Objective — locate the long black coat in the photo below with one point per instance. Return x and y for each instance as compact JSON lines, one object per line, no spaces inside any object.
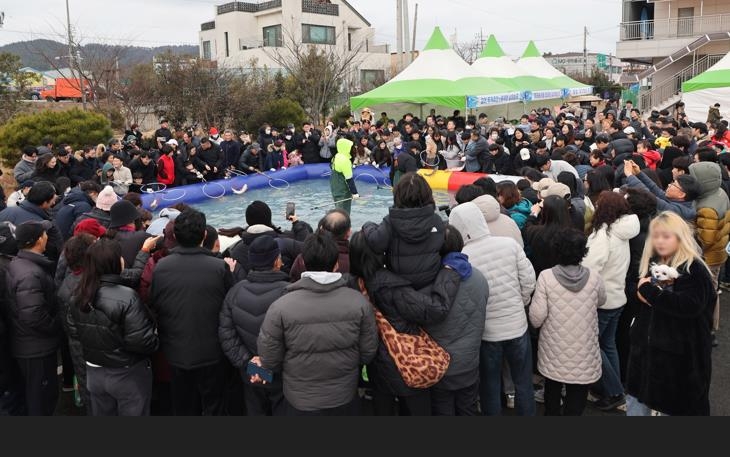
{"x":670,"y":365}
{"x":35,"y":328}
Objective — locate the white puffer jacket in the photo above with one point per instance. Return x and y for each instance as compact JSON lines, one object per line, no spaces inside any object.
{"x":503,"y":262}
{"x":498,"y":223}
{"x":568,"y":350}
{"x":609,"y":254}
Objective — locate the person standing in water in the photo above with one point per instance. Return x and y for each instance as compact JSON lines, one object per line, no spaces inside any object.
{"x":342,"y":181}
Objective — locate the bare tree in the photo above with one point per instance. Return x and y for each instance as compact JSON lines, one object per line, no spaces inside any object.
{"x":136,"y":93}
{"x":469,"y":51}
{"x":320,"y":71}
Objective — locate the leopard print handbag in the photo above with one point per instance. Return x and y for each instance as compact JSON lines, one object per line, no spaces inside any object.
{"x":419,"y":359}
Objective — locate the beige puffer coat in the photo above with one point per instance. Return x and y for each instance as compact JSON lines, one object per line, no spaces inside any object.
{"x":568,"y":350}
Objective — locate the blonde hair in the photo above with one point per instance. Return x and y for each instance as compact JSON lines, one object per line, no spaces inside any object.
{"x":688,"y":252}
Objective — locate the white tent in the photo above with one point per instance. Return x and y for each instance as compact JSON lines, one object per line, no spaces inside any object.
{"x":706,"y":89}
{"x":535,"y":65}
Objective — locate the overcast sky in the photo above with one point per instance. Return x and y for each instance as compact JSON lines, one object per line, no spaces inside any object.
{"x":556,"y":26}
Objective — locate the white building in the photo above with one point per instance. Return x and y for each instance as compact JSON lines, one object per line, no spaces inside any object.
{"x":575,"y":63}
{"x":678,"y":38}
{"x":242,"y":31}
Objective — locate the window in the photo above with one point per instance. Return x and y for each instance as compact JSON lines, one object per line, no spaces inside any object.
{"x":318,"y":34}
{"x":371,"y":78}
{"x":272,"y":36}
{"x":228,"y":50}
{"x":206,"y":50}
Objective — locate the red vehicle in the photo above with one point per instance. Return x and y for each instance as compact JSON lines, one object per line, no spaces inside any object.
{"x":65,"y":89}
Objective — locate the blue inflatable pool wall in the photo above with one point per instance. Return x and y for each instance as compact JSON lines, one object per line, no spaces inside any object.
{"x":197,"y":193}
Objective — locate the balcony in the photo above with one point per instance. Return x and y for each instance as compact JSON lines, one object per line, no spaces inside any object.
{"x":207,"y":26}
{"x":320,"y":7}
{"x":678,"y":27}
{"x":248,"y":7}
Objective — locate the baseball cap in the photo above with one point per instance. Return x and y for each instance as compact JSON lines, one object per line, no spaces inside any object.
{"x":556,"y":189}
{"x":28,"y":233}
{"x":542,"y":185}
{"x":213,"y":131}
{"x":629,"y":130}
{"x":525,"y":154}
{"x":172,"y":142}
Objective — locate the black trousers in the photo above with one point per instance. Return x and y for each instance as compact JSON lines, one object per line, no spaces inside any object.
{"x":40,"y":381}
{"x":574,"y":402}
{"x":120,"y":391}
{"x":264,"y":401}
{"x":623,"y":332}
{"x":385,"y":404}
{"x":349,"y":409}
{"x":462,"y":402}
{"x":200,"y":391}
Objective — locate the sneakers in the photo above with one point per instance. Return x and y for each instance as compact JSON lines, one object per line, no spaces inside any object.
{"x":540,"y":395}
{"x":67,"y":388}
{"x":610,"y":403}
{"x":510,"y":401}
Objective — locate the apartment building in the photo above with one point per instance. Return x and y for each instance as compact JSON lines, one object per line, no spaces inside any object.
{"x":679,"y":39}
{"x":247,"y":32}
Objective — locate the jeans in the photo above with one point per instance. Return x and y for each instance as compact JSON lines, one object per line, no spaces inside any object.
{"x":576,"y":397}
{"x":610,"y":383}
{"x":634,"y":408}
{"x":199,"y":391}
{"x":715,"y":273}
{"x":120,"y":391}
{"x":462,"y":402}
{"x":518,"y":354}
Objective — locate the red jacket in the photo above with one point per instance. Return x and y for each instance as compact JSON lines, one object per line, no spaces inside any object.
{"x":651,"y":159}
{"x":166,"y":170}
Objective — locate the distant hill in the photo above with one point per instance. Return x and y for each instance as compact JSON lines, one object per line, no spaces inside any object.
{"x":35,"y":53}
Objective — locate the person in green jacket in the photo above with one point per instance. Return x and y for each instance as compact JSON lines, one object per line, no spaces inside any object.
{"x":342,"y":182}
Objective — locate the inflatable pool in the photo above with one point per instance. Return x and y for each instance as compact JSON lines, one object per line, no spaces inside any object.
{"x":196,"y":193}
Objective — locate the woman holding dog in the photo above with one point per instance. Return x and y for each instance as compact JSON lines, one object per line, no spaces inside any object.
{"x":670,"y":364}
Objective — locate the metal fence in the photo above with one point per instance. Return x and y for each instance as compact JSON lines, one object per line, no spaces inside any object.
{"x":677,"y":27}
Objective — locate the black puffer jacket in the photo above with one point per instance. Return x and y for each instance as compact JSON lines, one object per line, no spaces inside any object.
{"x":73,"y":205}
{"x":244,"y":311}
{"x":6,"y":360}
{"x":102,"y":217}
{"x":411,"y":239}
{"x":118,"y":331}
{"x":407,"y":310}
{"x":187,"y":291}
{"x":35,"y":328}
{"x":27,"y":211}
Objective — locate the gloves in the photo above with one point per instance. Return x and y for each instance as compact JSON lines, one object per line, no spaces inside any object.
{"x":355,"y":197}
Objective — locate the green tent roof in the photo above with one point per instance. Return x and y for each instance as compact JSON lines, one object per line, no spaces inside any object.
{"x":437,"y":41}
{"x":492,"y":48}
{"x":717,"y":76}
{"x":531,"y":51}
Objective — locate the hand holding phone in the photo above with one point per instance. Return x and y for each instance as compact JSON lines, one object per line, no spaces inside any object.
{"x":258,"y":374}
{"x":291,"y":209}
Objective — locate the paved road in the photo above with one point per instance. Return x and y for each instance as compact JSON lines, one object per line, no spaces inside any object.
{"x":720,"y":395}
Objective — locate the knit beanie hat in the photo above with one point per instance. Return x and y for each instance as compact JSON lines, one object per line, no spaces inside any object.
{"x":123,"y":213}
{"x":106,"y":199}
{"x":263,"y":252}
{"x":258,"y":213}
{"x":90,"y":226}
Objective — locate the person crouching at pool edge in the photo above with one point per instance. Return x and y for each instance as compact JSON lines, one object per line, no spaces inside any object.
{"x":342,"y":182}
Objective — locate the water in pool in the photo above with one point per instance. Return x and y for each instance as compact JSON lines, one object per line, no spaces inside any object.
{"x":230,"y":211}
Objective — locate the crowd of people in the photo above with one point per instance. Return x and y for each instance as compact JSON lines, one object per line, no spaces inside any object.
{"x":592,"y":277}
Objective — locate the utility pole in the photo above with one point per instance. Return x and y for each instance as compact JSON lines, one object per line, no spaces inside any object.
{"x":72,"y":58}
{"x":407,"y":32}
{"x":399,"y":32}
{"x":585,"y":52}
{"x":415,"y":29}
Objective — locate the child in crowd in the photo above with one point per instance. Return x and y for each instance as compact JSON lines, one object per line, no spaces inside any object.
{"x":565,"y":308}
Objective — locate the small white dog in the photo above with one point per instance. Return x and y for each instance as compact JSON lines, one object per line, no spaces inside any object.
{"x":663,"y":275}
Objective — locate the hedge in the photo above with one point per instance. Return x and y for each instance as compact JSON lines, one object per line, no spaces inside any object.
{"x":74,"y":127}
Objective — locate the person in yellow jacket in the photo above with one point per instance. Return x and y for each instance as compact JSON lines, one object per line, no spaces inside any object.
{"x":342,"y":181}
